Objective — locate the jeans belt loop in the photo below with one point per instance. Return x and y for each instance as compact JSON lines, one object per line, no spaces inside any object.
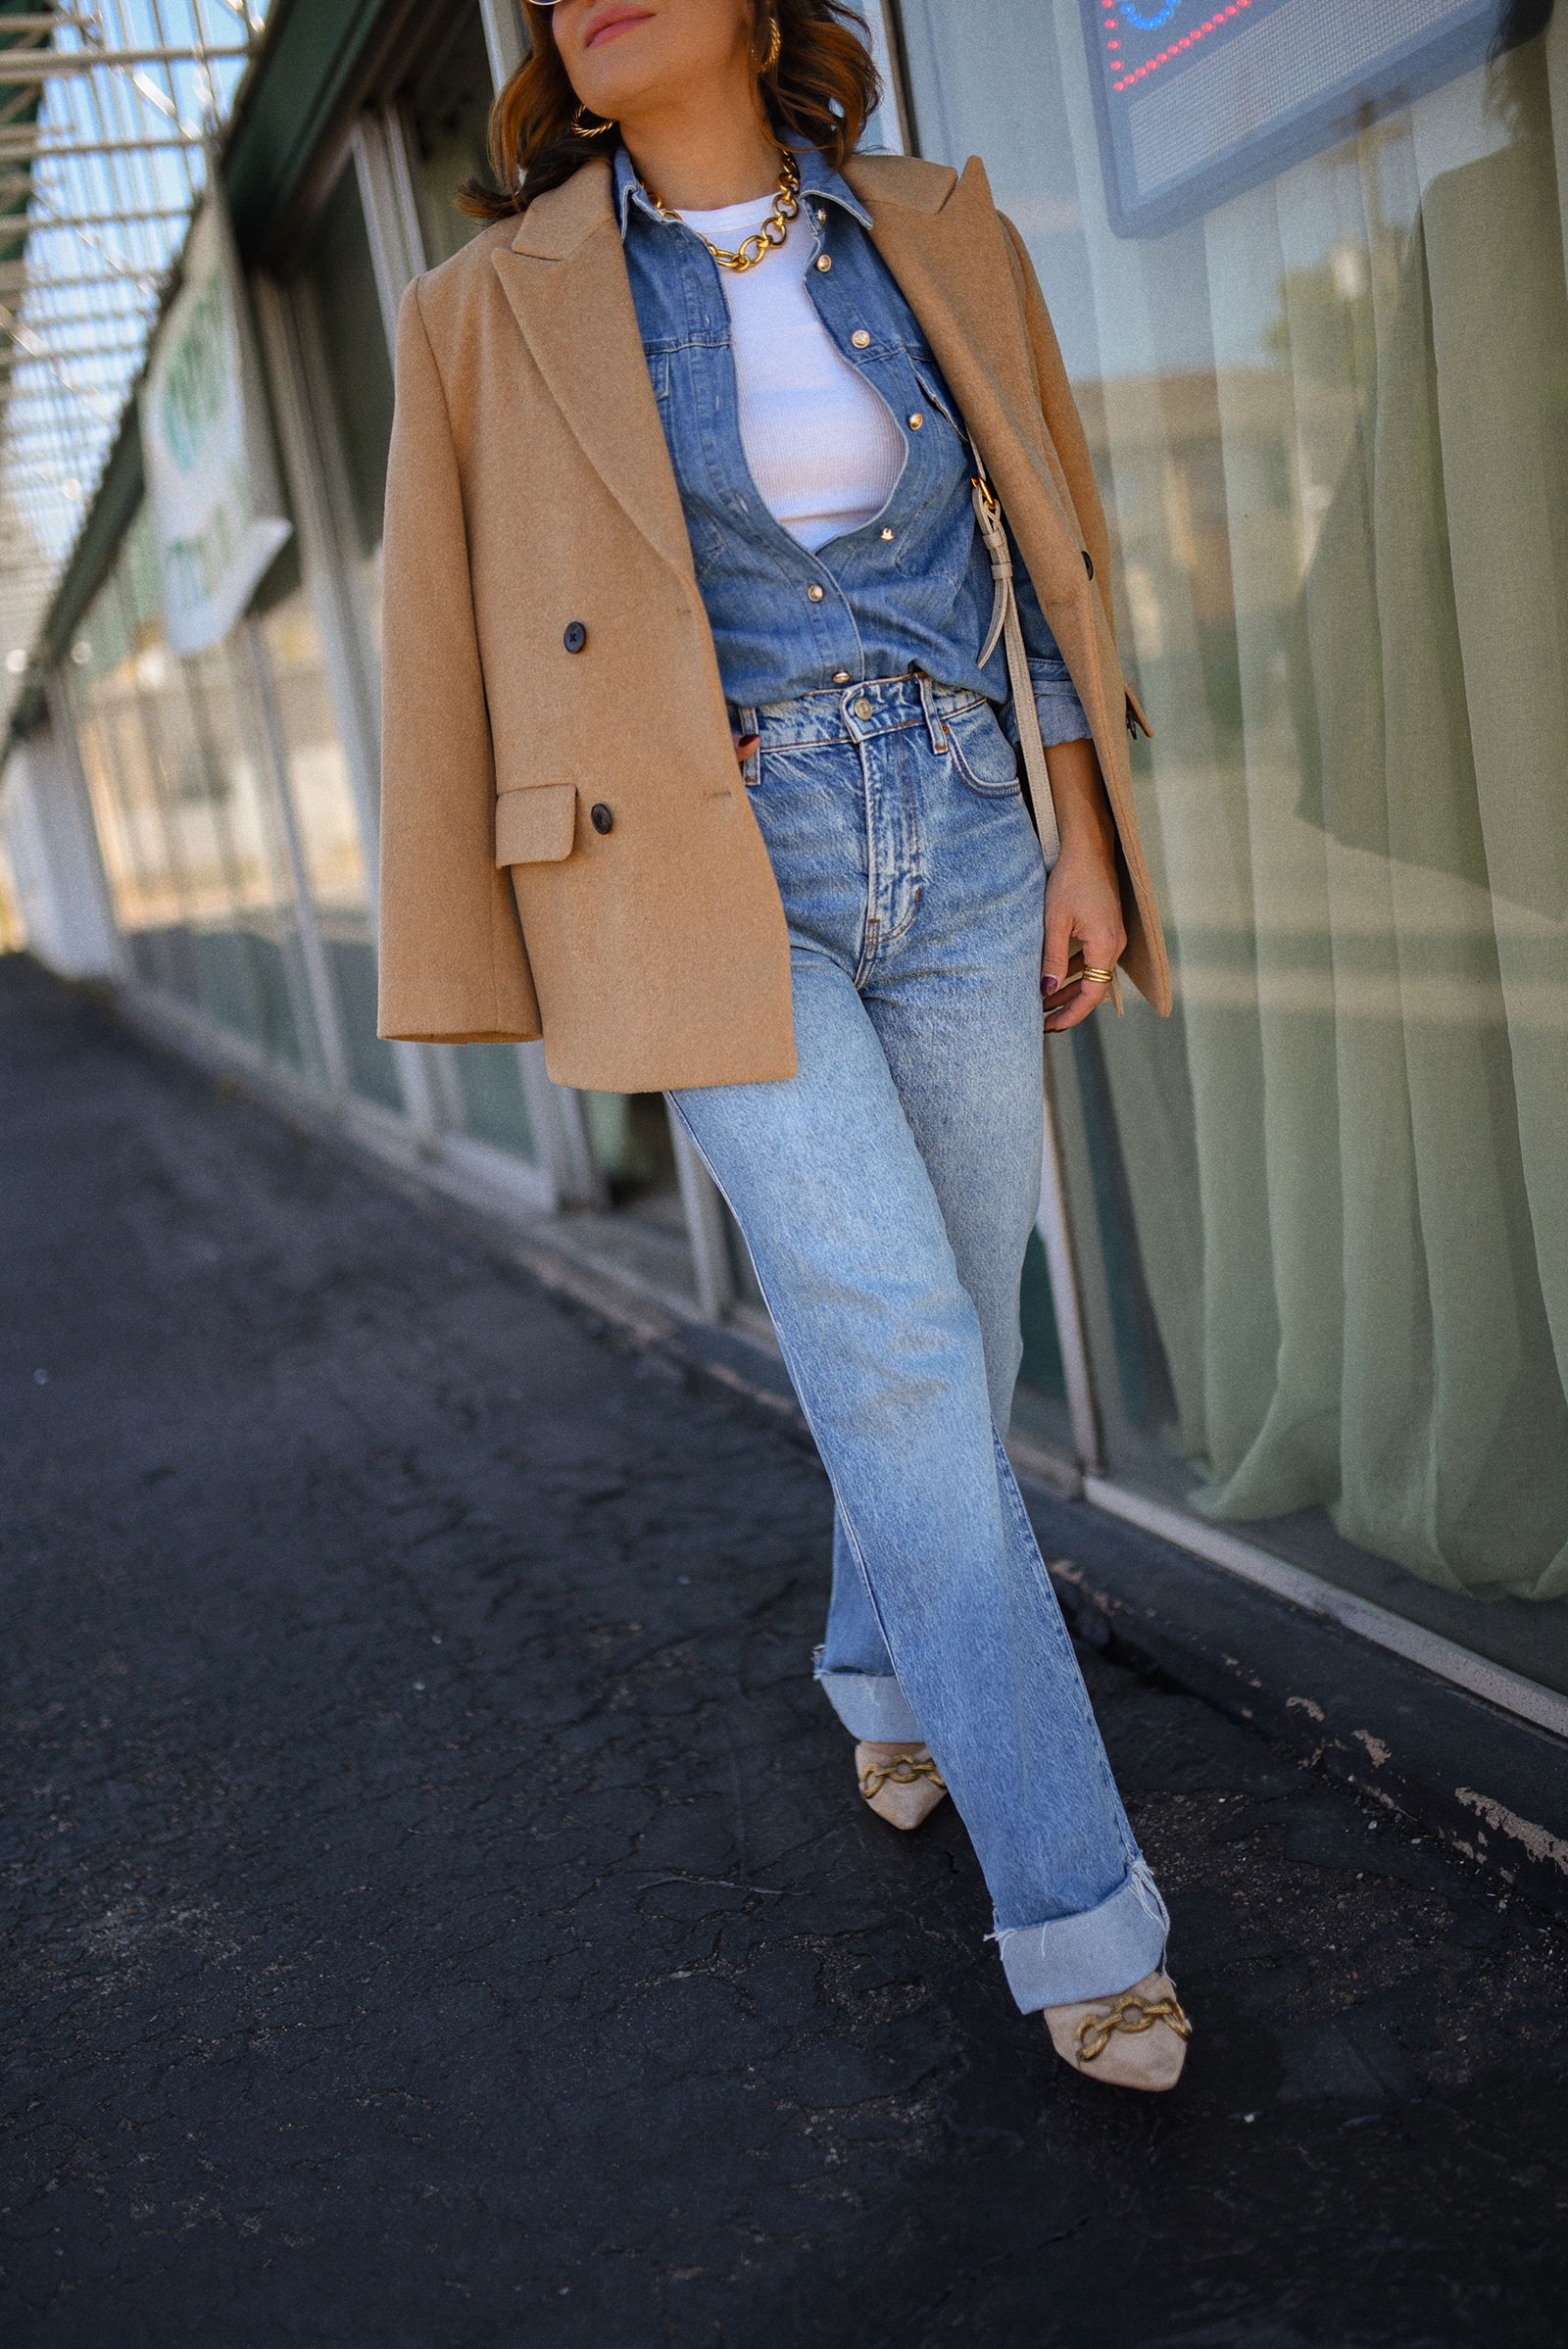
{"x":751,"y":765}
{"x":932,"y":723}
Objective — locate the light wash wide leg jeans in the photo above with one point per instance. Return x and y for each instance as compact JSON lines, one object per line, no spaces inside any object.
{"x":886,"y":1192}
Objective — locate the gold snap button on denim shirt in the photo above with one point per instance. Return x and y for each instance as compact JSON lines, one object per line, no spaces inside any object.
{"x":912,"y":588}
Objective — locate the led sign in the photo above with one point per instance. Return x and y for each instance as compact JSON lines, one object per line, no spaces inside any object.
{"x":1197,"y":101}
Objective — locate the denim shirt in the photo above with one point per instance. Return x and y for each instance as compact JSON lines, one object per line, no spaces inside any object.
{"x":864,"y":604}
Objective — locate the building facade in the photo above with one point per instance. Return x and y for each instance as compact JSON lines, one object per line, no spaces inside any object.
{"x":1300,"y":1295}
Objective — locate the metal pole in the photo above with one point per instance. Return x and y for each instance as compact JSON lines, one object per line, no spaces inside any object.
{"x":395,"y":265}
{"x":504,"y":38}
{"x":704,"y":1222}
{"x":63,"y":726}
{"x":1056,"y":1238}
{"x":560,"y":1131}
{"x":319,"y":979}
{"x":894,"y":113}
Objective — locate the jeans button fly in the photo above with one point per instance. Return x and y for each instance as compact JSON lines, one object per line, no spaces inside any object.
{"x":865,"y":708}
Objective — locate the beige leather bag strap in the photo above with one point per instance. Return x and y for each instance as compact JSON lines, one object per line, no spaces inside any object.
{"x":1005,"y":623}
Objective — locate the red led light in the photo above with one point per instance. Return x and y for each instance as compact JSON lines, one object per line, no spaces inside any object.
{"x":1187,"y":40}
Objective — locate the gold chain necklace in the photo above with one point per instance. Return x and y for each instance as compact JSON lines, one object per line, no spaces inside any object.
{"x":774,"y":230}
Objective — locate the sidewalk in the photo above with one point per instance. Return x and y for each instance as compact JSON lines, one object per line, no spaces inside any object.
{"x":437,"y":1911}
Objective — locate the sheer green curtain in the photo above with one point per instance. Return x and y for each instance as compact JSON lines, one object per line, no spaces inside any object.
{"x":1331,"y":420}
{"x":1367,"y":895}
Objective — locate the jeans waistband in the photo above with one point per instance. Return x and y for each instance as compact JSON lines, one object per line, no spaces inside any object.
{"x":853,"y":712}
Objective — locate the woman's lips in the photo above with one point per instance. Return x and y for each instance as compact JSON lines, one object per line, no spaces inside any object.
{"x":620,"y":21}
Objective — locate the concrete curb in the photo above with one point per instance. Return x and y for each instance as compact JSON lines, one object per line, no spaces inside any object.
{"x":1493,"y":1788}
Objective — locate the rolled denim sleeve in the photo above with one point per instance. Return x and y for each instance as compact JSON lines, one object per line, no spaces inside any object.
{"x":1061,"y":713}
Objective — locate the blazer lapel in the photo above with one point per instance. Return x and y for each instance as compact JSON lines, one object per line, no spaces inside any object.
{"x":565,"y":279}
{"x":948,"y":255}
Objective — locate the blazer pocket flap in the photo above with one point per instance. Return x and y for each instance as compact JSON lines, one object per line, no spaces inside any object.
{"x":536,"y":825}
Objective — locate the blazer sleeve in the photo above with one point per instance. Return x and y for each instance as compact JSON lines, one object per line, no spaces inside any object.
{"x":453,"y":965}
{"x":1062,"y":420}
{"x":1146,"y":960}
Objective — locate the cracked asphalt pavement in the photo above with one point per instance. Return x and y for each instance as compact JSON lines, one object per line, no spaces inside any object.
{"x":437,"y":1911}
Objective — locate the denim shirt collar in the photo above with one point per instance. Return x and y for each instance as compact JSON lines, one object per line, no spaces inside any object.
{"x":818,"y":180}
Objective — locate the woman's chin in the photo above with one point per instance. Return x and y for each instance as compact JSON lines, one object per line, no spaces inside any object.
{"x":617,"y":78}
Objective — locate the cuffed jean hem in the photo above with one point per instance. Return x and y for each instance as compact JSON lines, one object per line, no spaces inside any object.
{"x":871,"y":1704}
{"x":1094,"y":1955}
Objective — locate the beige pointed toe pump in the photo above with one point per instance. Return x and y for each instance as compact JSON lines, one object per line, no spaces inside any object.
{"x":901,"y":1782}
{"x":1136,"y":2038}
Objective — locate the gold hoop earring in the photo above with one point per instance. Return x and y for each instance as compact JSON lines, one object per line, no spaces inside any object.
{"x":583,"y":129}
{"x":774,"y":45}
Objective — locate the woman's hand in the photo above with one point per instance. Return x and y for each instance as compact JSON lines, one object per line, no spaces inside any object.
{"x":1083,"y":900}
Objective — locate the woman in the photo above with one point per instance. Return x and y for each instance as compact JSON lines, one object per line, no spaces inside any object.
{"x":691,"y":664}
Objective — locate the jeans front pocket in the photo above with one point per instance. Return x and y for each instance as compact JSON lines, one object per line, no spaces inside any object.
{"x":982,"y":753}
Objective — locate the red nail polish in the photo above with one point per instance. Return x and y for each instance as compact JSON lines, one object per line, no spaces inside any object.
{"x":1049,"y":983}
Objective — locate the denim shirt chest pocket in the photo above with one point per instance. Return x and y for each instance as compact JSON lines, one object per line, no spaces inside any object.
{"x":685,"y":376}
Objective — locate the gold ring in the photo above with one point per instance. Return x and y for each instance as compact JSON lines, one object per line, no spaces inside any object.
{"x":1100,"y":978}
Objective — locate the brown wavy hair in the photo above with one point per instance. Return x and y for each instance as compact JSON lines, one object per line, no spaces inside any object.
{"x":818,"y":94}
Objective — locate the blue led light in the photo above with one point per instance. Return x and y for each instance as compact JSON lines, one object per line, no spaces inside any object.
{"x":1153,"y":22}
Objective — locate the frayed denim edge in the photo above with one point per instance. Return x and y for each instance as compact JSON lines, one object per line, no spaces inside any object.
{"x":1094,"y":1954}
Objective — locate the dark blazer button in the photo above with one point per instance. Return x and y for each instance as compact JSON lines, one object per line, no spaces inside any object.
{"x":1089,"y":567}
{"x":576,"y":637}
{"x":600,"y":817}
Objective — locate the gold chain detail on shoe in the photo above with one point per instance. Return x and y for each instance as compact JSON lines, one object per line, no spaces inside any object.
{"x":774,"y":230}
{"x":903,"y":1771}
{"x":1148,"y":2012}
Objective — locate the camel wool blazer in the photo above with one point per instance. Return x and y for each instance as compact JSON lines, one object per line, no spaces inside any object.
{"x":567,"y":848}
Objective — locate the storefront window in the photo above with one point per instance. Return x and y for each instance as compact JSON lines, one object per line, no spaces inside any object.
{"x":628,"y":1134}
{"x":326,"y":820}
{"x":486,"y":1097}
{"x":351,"y":371}
{"x":448,"y":121}
{"x":144,"y":886}
{"x":1320,"y":1212}
{"x":196,"y":865}
{"x":1040,"y":1407}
